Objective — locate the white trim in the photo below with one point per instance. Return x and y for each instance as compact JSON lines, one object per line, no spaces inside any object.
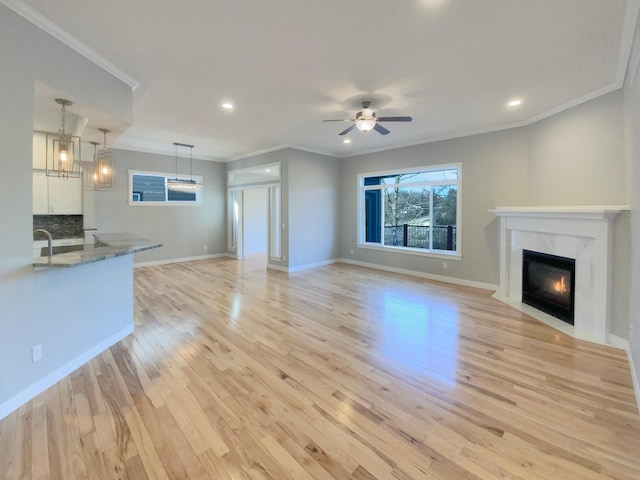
{"x":307,"y":266}
{"x":41,"y":385}
{"x":634,"y":376}
{"x":411,"y":251}
{"x":415,"y":273}
{"x":618,"y":342}
{"x":118,"y":144}
{"x":627,"y":40}
{"x":283,"y":146}
{"x":361,"y":214}
{"x":634,"y":61}
{"x":254,"y":186}
{"x":278,"y":268}
{"x":569,"y":211}
{"x":167,"y":177}
{"x":262,"y":165}
{"x":44,"y":23}
{"x":624,"y":345}
{"x":180,"y":260}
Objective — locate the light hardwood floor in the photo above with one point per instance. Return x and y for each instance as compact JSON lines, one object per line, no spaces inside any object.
{"x":235,"y":372}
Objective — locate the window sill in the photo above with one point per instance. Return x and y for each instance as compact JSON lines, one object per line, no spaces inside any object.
{"x":412,"y":251}
{"x":165,"y":204}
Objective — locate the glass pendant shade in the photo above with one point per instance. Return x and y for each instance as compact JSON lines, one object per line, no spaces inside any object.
{"x":90,"y":177}
{"x":103,"y":170}
{"x":62,"y":150}
{"x":365,"y":120}
{"x":365,"y":125}
{"x":99,"y":174}
{"x":181,"y":184}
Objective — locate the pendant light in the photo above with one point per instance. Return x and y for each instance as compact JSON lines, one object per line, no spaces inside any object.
{"x":180,"y":184}
{"x":62,"y":149}
{"x":90,"y":176}
{"x":104,"y":164}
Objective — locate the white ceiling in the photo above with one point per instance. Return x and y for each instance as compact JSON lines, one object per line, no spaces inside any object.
{"x":288,"y":64}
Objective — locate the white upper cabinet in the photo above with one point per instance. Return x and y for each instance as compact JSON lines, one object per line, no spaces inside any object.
{"x":56,"y":196}
{"x":65,"y":196}
{"x":40,"y":194}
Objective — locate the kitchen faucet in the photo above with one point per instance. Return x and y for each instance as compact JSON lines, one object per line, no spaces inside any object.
{"x":49,"y":239}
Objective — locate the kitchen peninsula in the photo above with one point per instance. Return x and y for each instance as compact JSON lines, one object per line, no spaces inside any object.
{"x":87,"y":309}
{"x":106,"y":246}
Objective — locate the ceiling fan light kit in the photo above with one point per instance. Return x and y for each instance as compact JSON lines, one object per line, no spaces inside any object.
{"x":366,"y":120}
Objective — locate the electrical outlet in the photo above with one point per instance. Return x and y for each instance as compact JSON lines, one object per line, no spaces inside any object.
{"x":204,"y":248}
{"x":55,"y":226}
{"x":444,"y":265}
{"x":352,"y":251}
{"x":36,"y":353}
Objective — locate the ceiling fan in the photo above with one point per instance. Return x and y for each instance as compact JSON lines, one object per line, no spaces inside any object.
{"x":366,"y":120}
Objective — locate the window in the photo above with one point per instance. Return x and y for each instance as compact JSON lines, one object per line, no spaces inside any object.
{"x":154,"y":188}
{"x":414,"y":211}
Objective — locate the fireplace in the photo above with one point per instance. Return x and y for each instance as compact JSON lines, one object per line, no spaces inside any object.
{"x":548,"y":284}
{"x":584,"y":233}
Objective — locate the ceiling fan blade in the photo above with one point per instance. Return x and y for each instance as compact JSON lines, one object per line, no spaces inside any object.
{"x":380,"y":129}
{"x":343,"y":120}
{"x":395,"y":119}
{"x":348,"y":130}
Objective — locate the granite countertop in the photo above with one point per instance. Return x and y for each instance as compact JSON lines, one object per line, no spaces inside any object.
{"x":106,"y":245}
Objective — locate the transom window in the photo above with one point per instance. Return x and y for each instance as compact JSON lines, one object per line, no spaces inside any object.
{"x":415,"y":211}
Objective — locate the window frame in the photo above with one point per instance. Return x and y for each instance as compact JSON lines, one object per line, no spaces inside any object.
{"x":166,"y":202}
{"x":361,"y":214}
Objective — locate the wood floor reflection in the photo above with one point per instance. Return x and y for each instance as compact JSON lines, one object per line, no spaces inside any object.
{"x":340,"y":372}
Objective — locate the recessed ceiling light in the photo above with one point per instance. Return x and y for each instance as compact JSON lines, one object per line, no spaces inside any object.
{"x":515,"y":103}
{"x":227,"y":106}
{"x":346,"y":140}
{"x":267,"y":170}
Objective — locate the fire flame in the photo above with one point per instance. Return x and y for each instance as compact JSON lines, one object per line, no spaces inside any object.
{"x":560,"y":286}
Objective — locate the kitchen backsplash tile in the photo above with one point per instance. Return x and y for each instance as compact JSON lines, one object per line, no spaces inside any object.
{"x":60,"y":226}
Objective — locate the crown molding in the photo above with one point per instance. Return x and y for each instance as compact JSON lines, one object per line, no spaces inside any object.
{"x":281,"y":147}
{"x":44,"y":23}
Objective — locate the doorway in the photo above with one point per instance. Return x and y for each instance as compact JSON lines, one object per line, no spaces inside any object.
{"x":255,"y":219}
{"x":254,"y":222}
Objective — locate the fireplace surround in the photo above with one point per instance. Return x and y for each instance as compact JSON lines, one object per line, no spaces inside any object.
{"x":583,"y":233}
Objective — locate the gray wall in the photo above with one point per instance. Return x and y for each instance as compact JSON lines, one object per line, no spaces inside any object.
{"x":309,"y":182}
{"x":632,"y":117}
{"x":577,"y":157}
{"x":183,"y":230}
{"x":49,"y":307}
{"x":494,"y":172}
{"x":314,"y":213}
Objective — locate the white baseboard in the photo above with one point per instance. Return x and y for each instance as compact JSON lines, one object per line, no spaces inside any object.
{"x":278,"y":268}
{"x":179,"y":260}
{"x":41,"y":385}
{"x":414,"y":273}
{"x":618,"y":342}
{"x":634,"y":372}
{"x":300,"y":268}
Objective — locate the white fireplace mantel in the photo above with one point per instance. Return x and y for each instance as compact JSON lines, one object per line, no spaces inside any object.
{"x":584,"y":233}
